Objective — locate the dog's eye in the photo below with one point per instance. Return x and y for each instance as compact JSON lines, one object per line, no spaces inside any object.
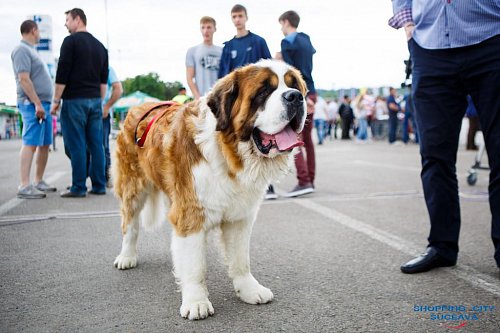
{"x":262,"y":93}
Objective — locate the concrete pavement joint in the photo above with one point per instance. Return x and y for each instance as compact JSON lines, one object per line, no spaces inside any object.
{"x":21,"y":219}
{"x":462,"y":175}
{"x":14,"y":202}
{"x":472,"y":196}
{"x":388,"y":166}
{"x":464,"y":272}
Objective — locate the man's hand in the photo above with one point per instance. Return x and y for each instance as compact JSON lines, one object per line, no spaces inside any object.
{"x":39,"y":111}
{"x":409,"y":30}
{"x":105,"y":111}
{"x":55,"y":107}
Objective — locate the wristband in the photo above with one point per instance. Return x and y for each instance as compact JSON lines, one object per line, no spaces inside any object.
{"x":56,"y":101}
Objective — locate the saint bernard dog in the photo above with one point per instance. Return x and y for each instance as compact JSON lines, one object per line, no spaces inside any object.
{"x":211,"y":162}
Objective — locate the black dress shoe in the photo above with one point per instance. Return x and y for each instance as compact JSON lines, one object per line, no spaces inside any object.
{"x":69,"y":194}
{"x":427,"y":261}
{"x":97,"y":192}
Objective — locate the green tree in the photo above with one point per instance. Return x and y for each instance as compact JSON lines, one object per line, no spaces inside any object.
{"x":152,"y":85}
{"x":172,"y":89}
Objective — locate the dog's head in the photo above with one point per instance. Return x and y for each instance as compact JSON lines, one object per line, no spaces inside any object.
{"x":262,"y":103}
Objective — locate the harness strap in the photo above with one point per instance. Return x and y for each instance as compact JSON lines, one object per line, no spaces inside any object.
{"x":140,"y":141}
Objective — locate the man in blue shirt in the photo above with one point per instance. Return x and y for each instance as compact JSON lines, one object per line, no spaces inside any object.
{"x":113,"y":93}
{"x":455,"y":48}
{"x":297,"y":50}
{"x":245,"y":48}
{"x":394,"y":108}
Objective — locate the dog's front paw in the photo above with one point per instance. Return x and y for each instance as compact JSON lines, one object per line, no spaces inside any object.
{"x":252,"y":292}
{"x":197,"y":310}
{"x":125,"y":262}
{"x":256,"y":295}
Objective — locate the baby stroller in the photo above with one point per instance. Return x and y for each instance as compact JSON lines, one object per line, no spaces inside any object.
{"x":472,"y":173}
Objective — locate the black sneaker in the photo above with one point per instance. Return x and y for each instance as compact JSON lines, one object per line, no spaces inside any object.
{"x":270,"y":195}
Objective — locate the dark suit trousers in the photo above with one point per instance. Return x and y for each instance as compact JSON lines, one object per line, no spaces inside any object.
{"x":441,"y":81}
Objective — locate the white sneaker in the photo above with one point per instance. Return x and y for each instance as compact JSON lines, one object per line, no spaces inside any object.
{"x":44,"y":187}
{"x":30,"y":192}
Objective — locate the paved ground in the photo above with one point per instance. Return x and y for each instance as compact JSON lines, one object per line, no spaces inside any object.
{"x":331,"y":258}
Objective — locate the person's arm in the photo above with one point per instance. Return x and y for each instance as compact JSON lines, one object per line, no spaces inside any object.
{"x":266,"y":54}
{"x":29,"y":90}
{"x":286,"y":50}
{"x":325,"y":110}
{"x":64,"y":66}
{"x":116,"y":93}
{"x":402,"y":17}
{"x":56,"y":102}
{"x":104,"y":89}
{"x":393,"y":107}
{"x":104,"y":74}
{"x":225,"y":61}
{"x":191,"y":83}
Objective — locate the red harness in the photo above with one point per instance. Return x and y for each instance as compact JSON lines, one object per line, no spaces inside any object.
{"x":140,"y":141}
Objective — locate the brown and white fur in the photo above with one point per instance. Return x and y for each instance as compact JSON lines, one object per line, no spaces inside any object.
{"x":204,"y":158}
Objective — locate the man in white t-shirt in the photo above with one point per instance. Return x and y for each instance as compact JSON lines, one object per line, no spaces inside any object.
{"x":202,"y":60}
{"x":320,"y":118}
{"x":333,"y":113}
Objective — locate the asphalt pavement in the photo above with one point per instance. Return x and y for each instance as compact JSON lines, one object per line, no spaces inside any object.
{"x":331,"y":258}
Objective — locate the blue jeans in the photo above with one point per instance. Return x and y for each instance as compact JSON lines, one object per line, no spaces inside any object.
{"x":81,"y":122}
{"x":320,"y":129}
{"x":393,"y":126}
{"x":362,"y":129}
{"x":378,"y":127}
{"x":442,"y":79}
{"x":409,"y":116}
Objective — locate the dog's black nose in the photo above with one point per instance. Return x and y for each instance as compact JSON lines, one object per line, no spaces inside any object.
{"x":293,"y":97}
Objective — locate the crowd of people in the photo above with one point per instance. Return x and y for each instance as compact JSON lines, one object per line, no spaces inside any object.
{"x":366,"y":118}
{"x":448,"y":65}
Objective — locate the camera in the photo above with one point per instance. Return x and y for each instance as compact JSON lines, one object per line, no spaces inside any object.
{"x":407,"y":81}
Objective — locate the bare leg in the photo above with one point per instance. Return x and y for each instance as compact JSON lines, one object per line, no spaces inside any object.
{"x":27,"y":153}
{"x":41,"y":162}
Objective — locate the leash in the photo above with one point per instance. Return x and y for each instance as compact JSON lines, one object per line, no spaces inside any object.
{"x":140,"y":141}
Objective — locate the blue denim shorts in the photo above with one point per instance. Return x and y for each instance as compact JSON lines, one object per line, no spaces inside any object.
{"x":34,"y":132}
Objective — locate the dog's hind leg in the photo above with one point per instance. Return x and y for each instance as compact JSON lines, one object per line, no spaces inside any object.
{"x":189,"y":257}
{"x":130,"y":211}
{"x":236,"y":241}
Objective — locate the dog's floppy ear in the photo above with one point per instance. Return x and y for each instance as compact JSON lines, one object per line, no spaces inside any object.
{"x":221,"y":100}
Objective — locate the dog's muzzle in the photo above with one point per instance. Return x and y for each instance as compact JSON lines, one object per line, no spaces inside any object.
{"x":294,"y":105}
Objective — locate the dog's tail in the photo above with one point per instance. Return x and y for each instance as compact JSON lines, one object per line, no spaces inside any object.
{"x":154,"y":212}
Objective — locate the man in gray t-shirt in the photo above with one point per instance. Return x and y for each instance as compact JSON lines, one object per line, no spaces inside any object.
{"x":34,"y":93}
{"x":202,"y":61}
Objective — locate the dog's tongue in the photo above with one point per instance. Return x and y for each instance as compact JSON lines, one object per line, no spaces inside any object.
{"x":285,"y":140}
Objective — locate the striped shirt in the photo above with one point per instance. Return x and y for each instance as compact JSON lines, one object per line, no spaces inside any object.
{"x":441,"y":24}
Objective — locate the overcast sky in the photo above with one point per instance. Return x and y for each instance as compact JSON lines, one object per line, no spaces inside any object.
{"x":355,"y":46}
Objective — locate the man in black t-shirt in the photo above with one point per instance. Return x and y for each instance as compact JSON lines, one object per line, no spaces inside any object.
{"x":81,"y":81}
